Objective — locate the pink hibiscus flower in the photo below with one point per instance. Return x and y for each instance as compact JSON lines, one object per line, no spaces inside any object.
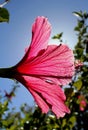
{"x":82,"y":102}
{"x":44,"y":69}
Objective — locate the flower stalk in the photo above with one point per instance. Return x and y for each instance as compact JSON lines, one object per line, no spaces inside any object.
{"x":6,"y":72}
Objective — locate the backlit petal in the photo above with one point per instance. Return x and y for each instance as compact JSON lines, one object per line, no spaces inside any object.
{"x":41,"y":30}
{"x":56,"y":63}
{"x":47,"y":96}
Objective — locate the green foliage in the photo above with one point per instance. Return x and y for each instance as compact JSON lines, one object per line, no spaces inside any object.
{"x":4,"y":15}
{"x":78,"y":84}
{"x":78,"y":14}
{"x":58,"y":36}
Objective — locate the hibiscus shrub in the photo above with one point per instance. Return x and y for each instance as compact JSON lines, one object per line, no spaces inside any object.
{"x":43,"y":79}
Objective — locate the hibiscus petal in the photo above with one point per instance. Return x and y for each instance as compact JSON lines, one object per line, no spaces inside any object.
{"x":58,"y":106}
{"x":41,"y":30}
{"x":46,"y":95}
{"x":40,"y":102}
{"x":56,"y":63}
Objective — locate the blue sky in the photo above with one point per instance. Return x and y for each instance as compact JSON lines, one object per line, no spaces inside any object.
{"x":15,"y":36}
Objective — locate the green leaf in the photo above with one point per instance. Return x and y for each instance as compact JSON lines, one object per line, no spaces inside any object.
{"x":77,"y":28}
{"x":81,"y":24}
{"x":79,"y":51}
{"x":69,"y":92}
{"x":78,"y":14}
{"x":85,"y":15}
{"x":72,"y":120}
{"x":4,"y":15}
{"x":58,"y":36}
{"x":84,"y":31}
{"x":78,"y":84}
{"x":64,"y":122}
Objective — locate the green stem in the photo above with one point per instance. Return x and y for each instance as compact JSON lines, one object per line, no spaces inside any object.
{"x":6,"y":72}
